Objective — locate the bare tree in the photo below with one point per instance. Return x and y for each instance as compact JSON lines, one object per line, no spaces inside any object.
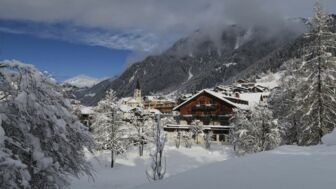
{"x":109,"y":130}
{"x":141,"y":121}
{"x":157,"y":170}
{"x":197,"y":129}
{"x":208,"y":139}
{"x":178,"y":139}
{"x":187,"y":139}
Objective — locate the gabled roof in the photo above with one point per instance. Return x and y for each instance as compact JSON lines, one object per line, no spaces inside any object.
{"x":216,"y":95}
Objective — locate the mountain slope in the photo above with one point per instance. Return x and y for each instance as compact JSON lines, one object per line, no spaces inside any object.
{"x":200,"y":61}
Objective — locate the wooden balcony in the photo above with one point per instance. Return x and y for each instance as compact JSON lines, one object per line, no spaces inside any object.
{"x":204,"y":107}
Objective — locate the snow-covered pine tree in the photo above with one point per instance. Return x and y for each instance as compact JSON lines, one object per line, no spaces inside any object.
{"x":266,"y":129}
{"x":312,"y":113}
{"x":282,"y":103}
{"x":109,"y":130}
{"x":255,"y":131}
{"x":41,"y":142}
{"x":244,"y":139}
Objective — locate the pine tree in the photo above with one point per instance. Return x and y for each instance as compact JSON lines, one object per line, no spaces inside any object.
{"x":282,"y":103}
{"x":310,"y":84}
{"x":244,"y":139}
{"x":254,"y":131}
{"x":266,"y":128}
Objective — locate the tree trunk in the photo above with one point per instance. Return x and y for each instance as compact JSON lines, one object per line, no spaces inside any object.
{"x":141,"y":147}
{"x":112,"y":158}
{"x":320,"y":104}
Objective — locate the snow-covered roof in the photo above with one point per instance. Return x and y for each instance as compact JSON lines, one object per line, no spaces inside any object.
{"x":150,"y":97}
{"x":132,"y":101}
{"x":154,"y":111}
{"x":217,"y":95}
{"x":253,"y":98}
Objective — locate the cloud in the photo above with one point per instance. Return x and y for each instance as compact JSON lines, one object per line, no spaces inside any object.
{"x":135,"y":40}
{"x":159,"y":15}
{"x":149,"y":25}
{"x":128,"y":41}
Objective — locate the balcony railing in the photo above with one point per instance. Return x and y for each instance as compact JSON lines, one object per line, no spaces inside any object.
{"x":204,"y":107}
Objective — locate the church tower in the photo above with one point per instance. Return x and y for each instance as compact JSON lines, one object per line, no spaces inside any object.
{"x":137,"y":92}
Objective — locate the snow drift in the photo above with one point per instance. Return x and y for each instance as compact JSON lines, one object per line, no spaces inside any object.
{"x":330,"y":139}
{"x":286,"y":167}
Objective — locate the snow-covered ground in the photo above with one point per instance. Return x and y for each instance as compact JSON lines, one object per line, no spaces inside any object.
{"x":130,"y":170}
{"x":286,"y":167}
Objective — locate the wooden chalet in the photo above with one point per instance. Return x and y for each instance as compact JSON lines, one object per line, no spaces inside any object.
{"x":213,"y":109}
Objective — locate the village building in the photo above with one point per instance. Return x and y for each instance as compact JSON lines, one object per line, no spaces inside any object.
{"x":212,"y":109}
{"x":162,"y":104}
{"x":86,"y":116}
{"x":136,"y":100}
{"x":182,"y":98}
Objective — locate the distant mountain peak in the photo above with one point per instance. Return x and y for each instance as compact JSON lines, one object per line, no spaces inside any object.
{"x":82,"y":81}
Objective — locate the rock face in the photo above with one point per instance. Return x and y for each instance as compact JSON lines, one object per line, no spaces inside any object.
{"x":200,"y":61}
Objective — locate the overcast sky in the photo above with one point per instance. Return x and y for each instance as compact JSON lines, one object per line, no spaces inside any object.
{"x":149,"y":19}
{"x":140,"y":26}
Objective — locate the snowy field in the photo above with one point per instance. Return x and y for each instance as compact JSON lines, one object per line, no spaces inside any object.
{"x":130,"y":170}
{"x":287,"y":167}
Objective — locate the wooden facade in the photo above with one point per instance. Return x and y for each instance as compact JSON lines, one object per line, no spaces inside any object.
{"x":206,"y":108}
{"x":164,"y":106}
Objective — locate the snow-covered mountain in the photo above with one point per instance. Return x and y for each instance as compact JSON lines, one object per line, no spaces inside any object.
{"x":199,"y":61}
{"x":82,"y":81}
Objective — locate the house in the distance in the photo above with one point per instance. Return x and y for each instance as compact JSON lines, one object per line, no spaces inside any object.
{"x":136,"y":100}
{"x":160,"y":103}
{"x":163,"y":104}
